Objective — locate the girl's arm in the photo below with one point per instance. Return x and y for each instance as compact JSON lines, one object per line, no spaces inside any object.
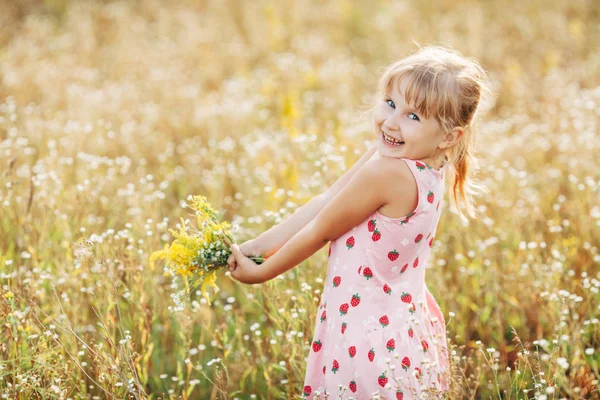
{"x":366,"y":192}
{"x":273,"y":239}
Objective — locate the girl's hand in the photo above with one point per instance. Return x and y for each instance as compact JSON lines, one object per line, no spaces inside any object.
{"x":246,"y":271}
{"x":247,"y":249}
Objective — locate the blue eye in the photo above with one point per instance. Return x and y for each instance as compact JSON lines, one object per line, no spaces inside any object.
{"x":391,"y":104}
{"x":417,"y":118}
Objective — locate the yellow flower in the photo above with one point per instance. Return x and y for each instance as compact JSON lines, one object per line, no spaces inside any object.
{"x":159,"y":254}
{"x":204,"y":209}
{"x":209,"y":280}
{"x":9,"y":295}
{"x":197,"y":252}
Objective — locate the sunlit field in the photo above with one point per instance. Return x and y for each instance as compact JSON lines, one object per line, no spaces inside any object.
{"x":113,"y":113}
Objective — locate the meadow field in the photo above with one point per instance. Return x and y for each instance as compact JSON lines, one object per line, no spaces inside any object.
{"x":113,"y":112}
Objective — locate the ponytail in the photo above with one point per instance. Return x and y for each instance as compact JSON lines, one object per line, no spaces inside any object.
{"x":464,"y":186}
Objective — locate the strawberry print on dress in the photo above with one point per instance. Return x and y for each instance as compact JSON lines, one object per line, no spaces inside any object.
{"x":387,"y":316}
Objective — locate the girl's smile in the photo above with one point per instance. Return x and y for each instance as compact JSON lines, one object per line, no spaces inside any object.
{"x":390,"y":141}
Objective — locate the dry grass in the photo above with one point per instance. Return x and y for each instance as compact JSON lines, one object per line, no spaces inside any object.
{"x":112,"y":113}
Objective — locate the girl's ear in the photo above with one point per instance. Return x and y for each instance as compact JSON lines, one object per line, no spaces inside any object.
{"x":453,"y":136}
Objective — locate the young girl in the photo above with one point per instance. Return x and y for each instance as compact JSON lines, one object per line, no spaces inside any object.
{"x":379,"y":333}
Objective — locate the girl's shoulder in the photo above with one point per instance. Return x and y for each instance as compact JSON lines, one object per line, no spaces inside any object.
{"x":391,"y":177}
{"x":401,"y":186}
{"x":396,"y":169}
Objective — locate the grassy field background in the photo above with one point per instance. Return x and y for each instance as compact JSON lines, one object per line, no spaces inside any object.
{"x":112,"y":113}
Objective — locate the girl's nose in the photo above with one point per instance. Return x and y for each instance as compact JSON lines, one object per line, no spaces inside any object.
{"x":390,"y":125}
{"x":392,"y":121}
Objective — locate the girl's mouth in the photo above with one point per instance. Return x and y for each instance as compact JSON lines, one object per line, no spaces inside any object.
{"x":390,"y":142}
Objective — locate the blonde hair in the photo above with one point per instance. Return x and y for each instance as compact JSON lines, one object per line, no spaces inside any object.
{"x":444,"y":84}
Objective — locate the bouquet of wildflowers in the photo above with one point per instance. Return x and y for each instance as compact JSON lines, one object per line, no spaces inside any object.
{"x":198,"y":252}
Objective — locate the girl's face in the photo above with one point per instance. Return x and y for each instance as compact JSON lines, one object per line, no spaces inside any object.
{"x":402,"y":122}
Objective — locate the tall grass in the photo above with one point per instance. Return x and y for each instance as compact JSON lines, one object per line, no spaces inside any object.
{"x":113,"y":113}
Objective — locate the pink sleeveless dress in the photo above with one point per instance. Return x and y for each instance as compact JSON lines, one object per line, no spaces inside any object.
{"x":378,"y":329}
